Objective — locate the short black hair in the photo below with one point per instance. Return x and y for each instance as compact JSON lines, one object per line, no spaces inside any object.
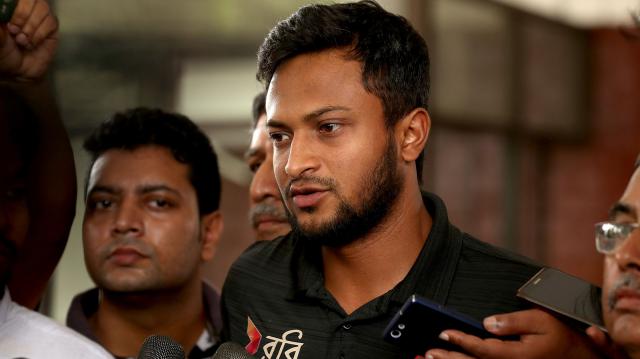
{"x":394,"y":57}
{"x":258,"y":108}
{"x":141,"y":126}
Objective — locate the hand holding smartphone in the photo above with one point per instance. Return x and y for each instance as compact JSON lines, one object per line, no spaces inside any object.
{"x":420,"y":321}
{"x":572,"y":297}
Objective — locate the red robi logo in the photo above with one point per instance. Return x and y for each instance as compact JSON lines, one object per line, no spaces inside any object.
{"x":254,"y":337}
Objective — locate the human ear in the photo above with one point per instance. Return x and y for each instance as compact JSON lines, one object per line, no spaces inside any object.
{"x":211,"y":229}
{"x":413,"y":132}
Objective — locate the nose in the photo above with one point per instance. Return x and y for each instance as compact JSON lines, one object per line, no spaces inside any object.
{"x":301,"y":158}
{"x":128,"y":219}
{"x":628,"y":254}
{"x":263,"y":184}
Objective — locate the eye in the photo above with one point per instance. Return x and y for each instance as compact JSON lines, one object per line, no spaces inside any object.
{"x":254,"y":164}
{"x":254,"y":167}
{"x":160,"y":203}
{"x":279,"y":138}
{"x":101,"y":204}
{"x":329,"y":127}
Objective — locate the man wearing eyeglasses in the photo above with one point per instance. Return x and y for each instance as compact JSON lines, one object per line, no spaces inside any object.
{"x":619,"y":241}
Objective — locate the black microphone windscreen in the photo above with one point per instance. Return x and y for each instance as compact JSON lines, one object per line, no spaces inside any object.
{"x":160,"y":347}
{"x":231,"y":350}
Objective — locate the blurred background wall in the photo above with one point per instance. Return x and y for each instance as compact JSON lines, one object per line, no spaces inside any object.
{"x":536,"y":110}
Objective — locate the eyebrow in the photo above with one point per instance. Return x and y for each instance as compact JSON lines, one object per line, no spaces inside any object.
{"x":140,"y":190}
{"x":310,"y":116}
{"x":103,"y":189}
{"x":155,"y":188}
{"x":622,"y":208}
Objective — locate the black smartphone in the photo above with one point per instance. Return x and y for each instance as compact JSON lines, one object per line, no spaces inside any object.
{"x":574,"y":298}
{"x":418,"y":323}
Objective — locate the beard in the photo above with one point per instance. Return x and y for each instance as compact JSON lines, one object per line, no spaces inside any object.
{"x":352,"y":222}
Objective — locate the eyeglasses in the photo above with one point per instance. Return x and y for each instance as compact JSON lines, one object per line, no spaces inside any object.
{"x":611,"y":235}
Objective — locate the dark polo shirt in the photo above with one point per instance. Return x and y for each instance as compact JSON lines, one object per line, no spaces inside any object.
{"x":85,"y":304}
{"x":277,"y":287}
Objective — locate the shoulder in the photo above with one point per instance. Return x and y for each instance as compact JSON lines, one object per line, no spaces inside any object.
{"x":27,"y":333}
{"x":211,"y":299}
{"x":258,"y":282}
{"x":83,"y":306}
{"x":263,"y":271}
{"x":264,"y":259}
{"x":487,"y":279}
{"x":476,"y":253}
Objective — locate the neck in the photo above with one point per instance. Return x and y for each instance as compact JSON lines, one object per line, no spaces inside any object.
{"x":386,"y":254}
{"x":124,"y":320}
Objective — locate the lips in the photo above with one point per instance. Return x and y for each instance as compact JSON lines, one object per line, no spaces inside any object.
{"x":627,"y":299}
{"x":125,"y":256}
{"x":268,"y":219}
{"x":307,"y":196}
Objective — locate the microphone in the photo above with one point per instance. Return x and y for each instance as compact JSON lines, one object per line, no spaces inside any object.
{"x":160,"y":347}
{"x":231,"y":350}
{"x":6,"y":10}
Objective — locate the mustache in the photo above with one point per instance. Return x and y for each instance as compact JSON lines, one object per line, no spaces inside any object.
{"x":328,"y":183}
{"x":266,"y":209}
{"x":628,"y":281}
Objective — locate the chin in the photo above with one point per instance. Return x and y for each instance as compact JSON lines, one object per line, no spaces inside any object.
{"x":123,"y":287}
{"x":126,"y":284}
{"x":625,"y":331}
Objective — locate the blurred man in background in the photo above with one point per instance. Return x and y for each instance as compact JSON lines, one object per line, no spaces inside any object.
{"x":267,"y":213}
{"x":37,"y":188}
{"x":619,"y":240}
{"x":47,"y":175}
{"x":152,"y":220}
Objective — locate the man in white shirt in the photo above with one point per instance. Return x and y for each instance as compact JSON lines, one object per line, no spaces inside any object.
{"x":27,"y":45}
{"x":28,"y":334}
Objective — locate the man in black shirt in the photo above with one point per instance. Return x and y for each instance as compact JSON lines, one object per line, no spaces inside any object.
{"x":347,"y":92}
{"x":151,"y":221}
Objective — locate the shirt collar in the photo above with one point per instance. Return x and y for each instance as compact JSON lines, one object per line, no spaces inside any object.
{"x":5,"y":303}
{"x":430,"y":276}
{"x":84,"y":305}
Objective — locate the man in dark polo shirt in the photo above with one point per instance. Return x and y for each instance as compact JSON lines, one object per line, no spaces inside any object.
{"x":347,"y":92}
{"x":152,"y":219}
